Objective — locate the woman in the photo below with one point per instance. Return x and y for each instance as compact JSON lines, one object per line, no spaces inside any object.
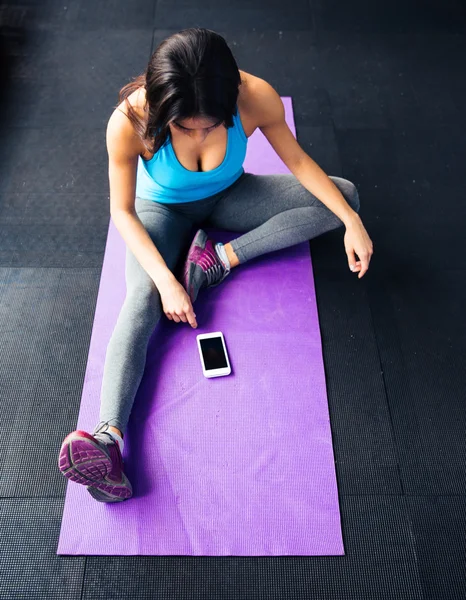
{"x":176,"y":145}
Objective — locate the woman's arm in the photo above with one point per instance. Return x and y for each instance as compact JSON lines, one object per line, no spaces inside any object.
{"x":123,"y":148}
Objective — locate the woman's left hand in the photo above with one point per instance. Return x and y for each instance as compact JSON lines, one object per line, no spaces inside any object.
{"x":358,"y":241}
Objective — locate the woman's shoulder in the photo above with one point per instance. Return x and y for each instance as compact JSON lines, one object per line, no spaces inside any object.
{"x":121,"y":129}
{"x":137,"y":101}
{"x":254,"y":92}
{"x":121,"y":122}
{"x":256,"y":97}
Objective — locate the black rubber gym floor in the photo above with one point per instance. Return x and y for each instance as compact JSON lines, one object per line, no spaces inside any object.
{"x":379,"y":90}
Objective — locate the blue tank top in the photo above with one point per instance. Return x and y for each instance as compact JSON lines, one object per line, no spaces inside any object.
{"x":164,"y":179}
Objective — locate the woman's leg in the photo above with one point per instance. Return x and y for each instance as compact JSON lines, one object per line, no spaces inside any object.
{"x":126,"y":352}
{"x":276,"y":211}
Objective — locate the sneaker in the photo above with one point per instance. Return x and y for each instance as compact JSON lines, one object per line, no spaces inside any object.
{"x":96,"y":462}
{"x":203,"y":267}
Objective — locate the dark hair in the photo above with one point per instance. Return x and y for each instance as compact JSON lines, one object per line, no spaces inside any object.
{"x":192,"y":73}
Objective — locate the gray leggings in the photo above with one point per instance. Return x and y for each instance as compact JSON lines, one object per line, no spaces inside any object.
{"x":272,"y":211}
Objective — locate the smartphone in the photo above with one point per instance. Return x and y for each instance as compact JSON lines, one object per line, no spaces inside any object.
{"x":213,"y":353}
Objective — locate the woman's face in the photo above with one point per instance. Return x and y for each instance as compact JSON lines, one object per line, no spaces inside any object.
{"x":196,"y":128}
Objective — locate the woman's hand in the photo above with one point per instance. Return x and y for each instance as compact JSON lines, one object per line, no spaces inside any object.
{"x":358,"y":241}
{"x":176,"y":302}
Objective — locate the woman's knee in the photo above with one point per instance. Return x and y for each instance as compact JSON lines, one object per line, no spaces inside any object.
{"x":145,"y":302}
{"x":349,"y":191}
{"x":353,"y":196}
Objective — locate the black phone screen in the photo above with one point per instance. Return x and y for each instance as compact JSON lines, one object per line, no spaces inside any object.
{"x":213,"y":353}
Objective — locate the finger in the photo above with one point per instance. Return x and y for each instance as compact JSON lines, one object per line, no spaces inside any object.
{"x":176,"y":318}
{"x":182,"y":316}
{"x":189,"y":312}
{"x":168,"y":315}
{"x":364,"y":267}
{"x":351,"y":259}
{"x":191,"y":318}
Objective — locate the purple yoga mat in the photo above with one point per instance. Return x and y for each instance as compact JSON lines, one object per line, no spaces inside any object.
{"x":240,"y":465}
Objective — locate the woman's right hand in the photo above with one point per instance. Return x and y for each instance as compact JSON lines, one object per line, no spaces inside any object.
{"x":176,"y":302}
